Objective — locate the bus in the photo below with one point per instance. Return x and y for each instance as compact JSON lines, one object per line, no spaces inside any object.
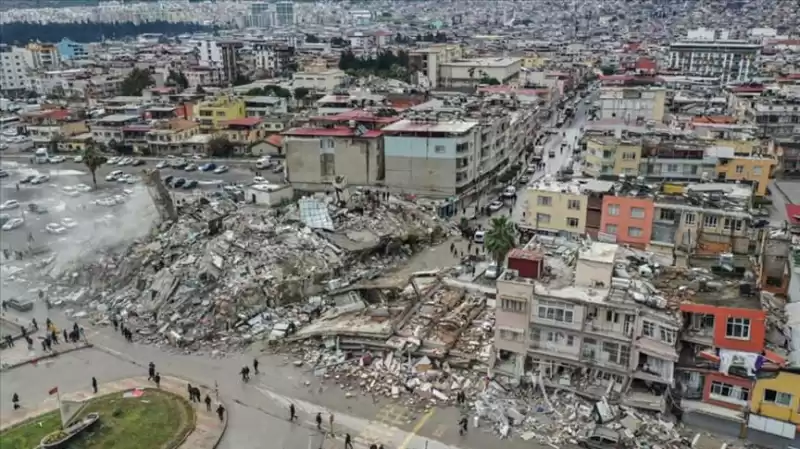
{"x":9,"y":125}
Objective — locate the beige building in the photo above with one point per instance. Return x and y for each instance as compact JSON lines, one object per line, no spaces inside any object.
{"x":427,"y":60}
{"x":469,"y":72}
{"x":168,"y":137}
{"x":554,"y":208}
{"x":612,"y":156}
{"x":316,"y":158}
{"x":586,"y":334}
{"x":318,"y":80}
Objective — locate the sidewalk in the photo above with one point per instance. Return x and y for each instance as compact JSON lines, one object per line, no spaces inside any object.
{"x":208,"y":428}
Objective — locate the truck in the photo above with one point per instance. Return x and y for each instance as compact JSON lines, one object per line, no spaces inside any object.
{"x":41,"y":156}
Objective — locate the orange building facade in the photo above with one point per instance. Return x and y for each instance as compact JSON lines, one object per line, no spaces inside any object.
{"x":629,"y":219}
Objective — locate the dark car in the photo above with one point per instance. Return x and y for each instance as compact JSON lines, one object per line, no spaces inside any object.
{"x":190,"y":184}
{"x":27,"y":179}
{"x":179,"y":182}
{"x":137,"y":162}
{"x":168,"y":180}
{"x":20,"y":305}
{"x":208,"y":167}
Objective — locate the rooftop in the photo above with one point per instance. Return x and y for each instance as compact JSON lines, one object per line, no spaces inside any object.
{"x":118,"y":118}
{"x":359,"y":115}
{"x":340,"y":131}
{"x":483,"y":62}
{"x":454,"y":127}
{"x":572,"y":187}
{"x":246,"y":121}
{"x":599,"y":252}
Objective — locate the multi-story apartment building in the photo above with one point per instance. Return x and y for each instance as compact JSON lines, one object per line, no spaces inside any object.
{"x":469,"y":72}
{"x":263,"y":106}
{"x":609,"y":156}
{"x":14,"y":70}
{"x":775,"y":117}
{"x":631,"y":98}
{"x":729,"y":60}
{"x":627,"y":219}
{"x":108,"y":130}
{"x":43,"y":56}
{"x":170,"y":137}
{"x":318,"y":158}
{"x":213,"y":112}
{"x":584,"y":332}
{"x":428,"y":59}
{"x":668,"y":159}
{"x":284,"y":12}
{"x":552,"y":207}
{"x":69,"y":50}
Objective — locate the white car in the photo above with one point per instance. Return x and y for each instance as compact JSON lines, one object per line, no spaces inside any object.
{"x":83,"y":188}
{"x":509,"y":192}
{"x":57,"y":159}
{"x":221,"y":169}
{"x":259,"y":180}
{"x":479,"y":236}
{"x":162,"y":164}
{"x":69,"y":223}
{"x":41,"y":179}
{"x":14,"y":223}
{"x":70,"y":191}
{"x":55,"y":228}
{"x":114,"y":175}
{"x":130,"y":179}
{"x":123,"y":178}
{"x":121,"y":162}
{"x":77,"y":159}
{"x":10,"y":204}
{"x":495,"y":206}
{"x":113,"y":160}
{"x":492,"y":271}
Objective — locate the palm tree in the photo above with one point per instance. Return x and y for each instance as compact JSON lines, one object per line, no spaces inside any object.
{"x":93,"y":159}
{"x":500,"y":238}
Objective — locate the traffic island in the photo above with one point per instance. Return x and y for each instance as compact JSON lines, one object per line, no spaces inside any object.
{"x":130,"y":414}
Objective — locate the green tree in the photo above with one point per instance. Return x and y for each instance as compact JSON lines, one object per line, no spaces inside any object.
{"x":489,"y":80}
{"x":300,"y":94}
{"x":136,"y":81}
{"x":93,"y":159}
{"x":312,"y":39}
{"x":500,"y":239}
{"x":220,"y":146}
{"x":608,"y":70}
{"x":177,"y":79}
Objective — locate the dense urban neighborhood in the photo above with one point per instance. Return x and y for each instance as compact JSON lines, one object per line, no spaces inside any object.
{"x":400,"y":224}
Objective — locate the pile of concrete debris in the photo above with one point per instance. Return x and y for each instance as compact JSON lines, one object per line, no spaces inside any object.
{"x":218,"y":275}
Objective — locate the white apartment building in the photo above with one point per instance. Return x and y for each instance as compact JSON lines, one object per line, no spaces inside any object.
{"x":729,"y":60}
{"x":14,"y":70}
{"x":594,"y":332}
{"x":632,"y":103}
{"x":209,"y":54}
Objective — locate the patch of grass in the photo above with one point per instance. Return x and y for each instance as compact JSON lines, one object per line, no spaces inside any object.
{"x":157,"y":420}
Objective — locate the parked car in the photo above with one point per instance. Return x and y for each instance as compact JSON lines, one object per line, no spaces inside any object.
{"x":162,"y":164}
{"x":14,"y":223}
{"x":27,"y":179}
{"x":10,"y":204}
{"x":83,"y":188}
{"x":479,"y":236}
{"x":36,"y":208}
{"x":179,"y":164}
{"x":57,"y":159}
{"x":41,"y":179}
{"x":492,"y":271}
{"x":77,"y":159}
{"x":69,"y":223}
{"x":221,"y":169}
{"x":114,"y":175}
{"x":524,"y":180}
{"x":190,"y":167}
{"x":190,"y":184}
{"x":208,"y":167}
{"x":179,"y":182}
{"x":168,"y":180}
{"x":55,"y":228}
{"x":495,"y":206}
{"x":509,"y":192}
{"x":20,"y":305}
{"x":138,"y":162}
{"x":113,"y":160}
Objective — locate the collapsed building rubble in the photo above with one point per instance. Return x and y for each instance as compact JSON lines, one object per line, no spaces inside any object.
{"x":223,"y":273}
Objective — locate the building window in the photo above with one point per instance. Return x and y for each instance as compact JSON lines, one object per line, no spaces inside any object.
{"x":738,"y":328}
{"x":572,"y":222}
{"x":648,"y":329}
{"x":729,"y":393}
{"x":634,"y":232}
{"x":710,"y":221}
{"x":739,"y":169}
{"x":510,"y":335}
{"x":611,"y":229}
{"x":672,"y":168}
{"x":574,"y":204}
{"x":778,"y":397}
{"x":690,"y":218}
{"x":542,"y":218}
{"x":637,"y":212}
{"x":438,"y":149}
{"x":667,"y":335}
{"x":556,"y":311}
{"x":756,"y":171}
{"x":570,"y":340}
{"x":544,"y":200}
{"x":613,"y":210}
{"x":730,"y":222}
{"x":667,"y":215}
{"x":628,"y":156}
{"x":512,"y":305}
{"x":327,"y":164}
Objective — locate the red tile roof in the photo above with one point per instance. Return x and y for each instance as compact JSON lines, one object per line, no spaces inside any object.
{"x":748,"y":89}
{"x":276,"y":140}
{"x":247,"y":121}
{"x":793,"y":214}
{"x":646,"y":64}
{"x":340,"y":131}
{"x":714,"y":119}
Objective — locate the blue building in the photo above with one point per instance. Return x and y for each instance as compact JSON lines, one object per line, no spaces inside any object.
{"x":70,"y":50}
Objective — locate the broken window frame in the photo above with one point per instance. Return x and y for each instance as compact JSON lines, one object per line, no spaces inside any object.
{"x":719,"y":389}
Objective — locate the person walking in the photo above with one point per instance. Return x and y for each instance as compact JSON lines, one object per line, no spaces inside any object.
{"x":463,"y":425}
{"x":255,"y":366}
{"x":157,"y":379}
{"x":151,"y":371}
{"x":330,"y":422}
{"x":292,"y":414}
{"x":34,"y":324}
{"x":94,"y":384}
{"x":208,"y":403}
{"x":54,"y":336}
{"x":348,"y":441}
{"x":221,"y":412}
{"x":190,"y":388}
{"x":66,"y":338}
{"x":15,"y":401}
{"x":319,"y":421}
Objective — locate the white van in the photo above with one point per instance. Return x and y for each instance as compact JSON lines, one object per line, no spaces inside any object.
{"x":41,"y":156}
{"x":509,"y":192}
{"x":479,"y":236}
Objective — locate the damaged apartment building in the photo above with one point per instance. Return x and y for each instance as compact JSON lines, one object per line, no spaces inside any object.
{"x":605,"y":331}
{"x":443,"y":148}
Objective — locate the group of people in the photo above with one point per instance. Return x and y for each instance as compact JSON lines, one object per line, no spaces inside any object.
{"x":127,"y":334}
{"x":245,"y":371}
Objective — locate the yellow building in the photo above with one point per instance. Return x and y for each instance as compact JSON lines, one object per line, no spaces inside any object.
{"x":213,"y":112}
{"x":776,"y":398}
{"x":43,"y":55}
{"x":534,"y":62}
{"x":609,"y":156}
{"x":755,"y":169}
{"x":553,"y":207}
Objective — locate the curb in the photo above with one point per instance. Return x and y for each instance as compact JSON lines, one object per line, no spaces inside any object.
{"x":180,"y":445}
{"x":54,"y":354}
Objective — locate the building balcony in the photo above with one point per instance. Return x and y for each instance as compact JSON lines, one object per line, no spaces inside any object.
{"x":549,"y":349}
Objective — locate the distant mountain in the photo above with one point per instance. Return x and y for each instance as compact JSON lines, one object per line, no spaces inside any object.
{"x":21,"y":33}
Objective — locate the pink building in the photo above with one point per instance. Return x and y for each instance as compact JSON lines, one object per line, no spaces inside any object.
{"x":629,"y":219}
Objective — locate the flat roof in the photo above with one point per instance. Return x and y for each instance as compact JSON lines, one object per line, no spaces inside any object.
{"x":483,"y":62}
{"x":118,"y":118}
{"x":358,"y":115}
{"x":246,"y":121}
{"x":599,"y":252}
{"x":455,"y":127}
{"x":330,"y":132}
